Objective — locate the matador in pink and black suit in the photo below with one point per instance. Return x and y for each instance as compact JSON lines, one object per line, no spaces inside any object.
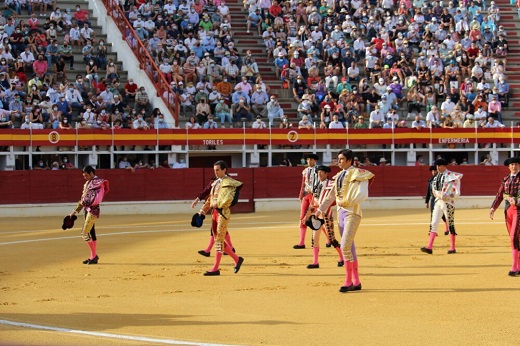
{"x":510,"y":192}
{"x":94,"y":191}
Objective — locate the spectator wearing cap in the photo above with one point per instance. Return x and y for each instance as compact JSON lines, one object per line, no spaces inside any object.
{"x":397,"y":88}
{"x":325,"y":116}
{"x":254,"y":20}
{"x":344,"y":85}
{"x":305,"y":123}
{"x":258,"y":124}
{"x":305,"y":107}
{"x":65,"y":108}
{"x":280,"y":63}
{"x":360,"y":123}
{"x":434,"y":118}
{"x":469,"y":122}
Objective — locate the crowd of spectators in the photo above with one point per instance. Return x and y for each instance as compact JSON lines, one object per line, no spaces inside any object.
{"x":350,"y":61}
{"x":192,"y":43}
{"x":36,"y":58}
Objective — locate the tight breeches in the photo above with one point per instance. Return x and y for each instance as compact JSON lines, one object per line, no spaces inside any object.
{"x":513,"y":227}
{"x":89,"y":229}
{"x":329,"y":227}
{"x":440,"y":209}
{"x":219,"y":228}
{"x":348,"y":226}
{"x":306,"y":202}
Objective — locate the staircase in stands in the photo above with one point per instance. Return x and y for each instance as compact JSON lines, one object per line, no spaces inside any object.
{"x":254,"y":42}
{"x":509,"y":19}
{"x":79,"y":64}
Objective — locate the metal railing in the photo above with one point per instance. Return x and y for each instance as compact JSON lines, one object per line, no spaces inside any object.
{"x":146,"y":62}
{"x":248,"y":136}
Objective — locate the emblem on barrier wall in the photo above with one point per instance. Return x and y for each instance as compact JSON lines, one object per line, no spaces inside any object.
{"x":54,"y":137}
{"x":292,"y":136}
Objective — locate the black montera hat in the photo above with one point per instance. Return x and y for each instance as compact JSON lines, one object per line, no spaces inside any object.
{"x":441,"y":162}
{"x":197,"y":220}
{"x":312,"y":156}
{"x":323,"y":168}
{"x":314,"y":223}
{"x":68,"y":222}
{"x":511,"y":160}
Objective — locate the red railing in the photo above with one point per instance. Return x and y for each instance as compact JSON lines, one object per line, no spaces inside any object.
{"x":285,"y":137}
{"x":146,"y":62}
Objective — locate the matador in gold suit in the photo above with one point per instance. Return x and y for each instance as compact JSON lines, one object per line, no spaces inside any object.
{"x":219,"y":200}
{"x":349,"y":191}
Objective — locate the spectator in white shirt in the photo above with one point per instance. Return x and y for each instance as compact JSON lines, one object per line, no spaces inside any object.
{"x":433,"y":118}
{"x":259,"y":124}
{"x":170,"y":7}
{"x":377,"y":118}
{"x":447,"y":106}
{"x":335,"y":123}
{"x":493,"y":124}
{"x":418,"y":123}
{"x":274,"y":110}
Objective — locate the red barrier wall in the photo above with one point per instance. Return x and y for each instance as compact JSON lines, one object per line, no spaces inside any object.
{"x":34,"y":187}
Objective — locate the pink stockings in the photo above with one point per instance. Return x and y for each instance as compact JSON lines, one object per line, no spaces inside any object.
{"x":352,"y":273}
{"x":92,"y":245}
{"x":218,"y":257}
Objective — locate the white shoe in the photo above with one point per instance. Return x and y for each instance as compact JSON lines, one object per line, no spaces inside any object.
{"x":248,"y":31}
{"x":223,"y":126}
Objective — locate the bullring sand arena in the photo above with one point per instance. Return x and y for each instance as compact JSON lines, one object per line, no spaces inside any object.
{"x":148,"y":288}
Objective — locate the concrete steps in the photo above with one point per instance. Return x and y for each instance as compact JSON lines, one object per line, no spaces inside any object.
{"x":79,"y":64}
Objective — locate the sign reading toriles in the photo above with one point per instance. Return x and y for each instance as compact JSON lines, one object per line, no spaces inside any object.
{"x":213,"y":141}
